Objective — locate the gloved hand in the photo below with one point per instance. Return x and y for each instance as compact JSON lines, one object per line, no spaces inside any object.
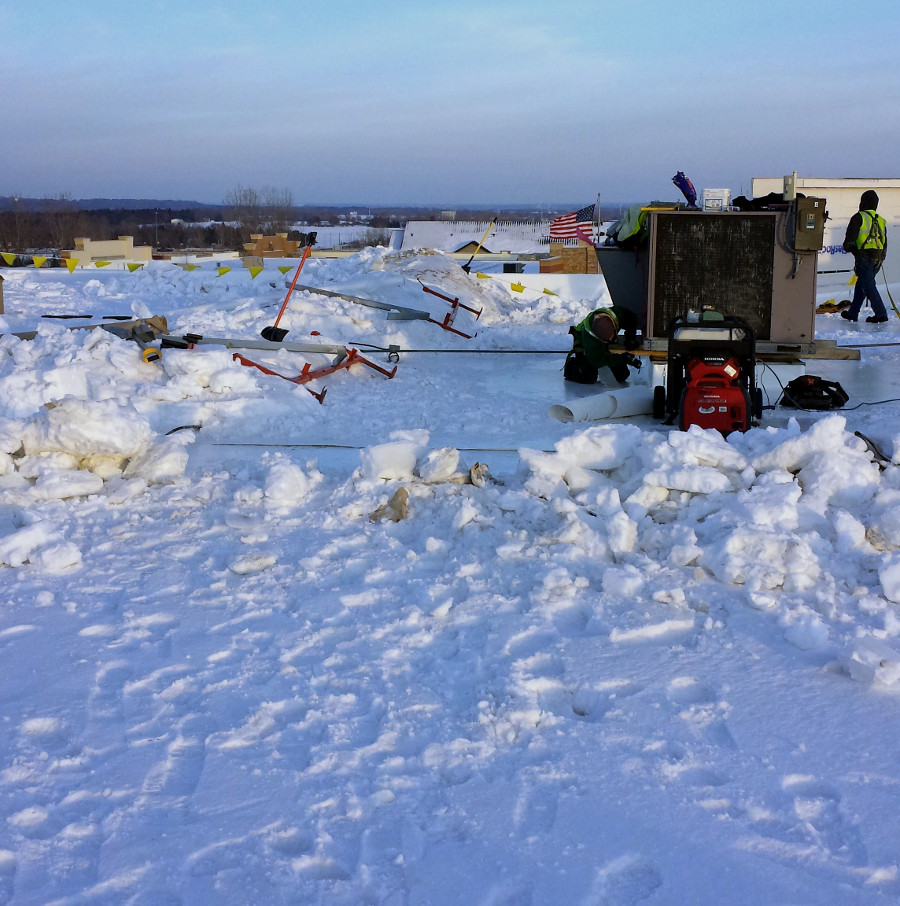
{"x":633,"y":361}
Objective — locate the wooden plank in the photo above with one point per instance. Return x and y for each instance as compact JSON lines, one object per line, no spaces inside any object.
{"x":824,"y":349}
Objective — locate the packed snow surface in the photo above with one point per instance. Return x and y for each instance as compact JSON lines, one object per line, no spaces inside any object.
{"x":420,"y":643}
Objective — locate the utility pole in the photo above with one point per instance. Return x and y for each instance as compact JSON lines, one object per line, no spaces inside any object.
{"x":18,"y":223}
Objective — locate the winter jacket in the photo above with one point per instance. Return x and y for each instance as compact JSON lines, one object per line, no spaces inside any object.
{"x":595,"y":350}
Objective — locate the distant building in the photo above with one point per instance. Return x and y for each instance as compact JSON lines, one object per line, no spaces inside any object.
{"x":463,"y":236}
{"x":842,"y":194}
{"x":525,"y":240}
{"x":277,"y":246}
{"x":87,"y":251}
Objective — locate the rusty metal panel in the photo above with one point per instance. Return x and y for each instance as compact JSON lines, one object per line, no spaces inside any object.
{"x":722,"y":261}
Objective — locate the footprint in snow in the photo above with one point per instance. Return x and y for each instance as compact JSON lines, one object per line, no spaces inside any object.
{"x":178,"y":773}
{"x":701,"y":710}
{"x":685,"y":690}
{"x":817,"y":807}
{"x":809,"y":831}
{"x":252,"y":563}
{"x":75,"y":855}
{"x":8,"y":865}
{"x":535,"y":810}
{"x":588,"y":702}
{"x":625,"y":881}
{"x":47,"y":734}
{"x":529,"y":643}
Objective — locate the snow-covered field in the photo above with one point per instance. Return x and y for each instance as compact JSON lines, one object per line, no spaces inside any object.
{"x":626,"y":665}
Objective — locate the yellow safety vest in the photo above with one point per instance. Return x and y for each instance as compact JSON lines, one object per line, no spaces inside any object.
{"x":871,"y":231}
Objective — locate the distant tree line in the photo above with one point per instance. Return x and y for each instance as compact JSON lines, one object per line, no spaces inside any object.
{"x":52,"y":224}
{"x":49,"y":225}
{"x":265,"y":211}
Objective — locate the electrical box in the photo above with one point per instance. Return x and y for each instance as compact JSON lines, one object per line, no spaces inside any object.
{"x":790,"y":187}
{"x":809,"y":233}
{"x":716,"y":199}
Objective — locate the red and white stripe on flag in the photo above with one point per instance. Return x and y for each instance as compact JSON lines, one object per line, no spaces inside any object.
{"x":575,"y":225}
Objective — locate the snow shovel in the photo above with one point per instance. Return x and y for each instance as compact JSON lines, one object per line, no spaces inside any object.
{"x":468,"y":264}
{"x":273,"y":332}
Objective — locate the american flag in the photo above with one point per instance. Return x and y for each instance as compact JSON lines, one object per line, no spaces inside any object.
{"x":577,"y":225}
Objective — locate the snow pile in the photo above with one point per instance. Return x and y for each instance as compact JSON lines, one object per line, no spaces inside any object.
{"x":760,"y":510}
{"x":69,"y":449}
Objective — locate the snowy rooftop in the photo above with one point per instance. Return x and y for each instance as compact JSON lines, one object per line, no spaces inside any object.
{"x":453,"y":235}
{"x":262,"y":649}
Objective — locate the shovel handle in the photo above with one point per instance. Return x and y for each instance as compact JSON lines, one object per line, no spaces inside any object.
{"x":478,"y":247}
{"x":306,"y":252}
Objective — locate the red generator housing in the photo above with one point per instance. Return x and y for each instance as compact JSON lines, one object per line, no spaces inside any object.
{"x":715,"y":397}
{"x":710,"y":375}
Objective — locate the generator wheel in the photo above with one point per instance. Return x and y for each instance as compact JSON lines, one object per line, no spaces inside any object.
{"x":757,"y":403}
{"x":659,"y":402}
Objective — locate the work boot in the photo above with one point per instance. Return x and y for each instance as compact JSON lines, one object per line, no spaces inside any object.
{"x":874,"y":319}
{"x":847,"y":316}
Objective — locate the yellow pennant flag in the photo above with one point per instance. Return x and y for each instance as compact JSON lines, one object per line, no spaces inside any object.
{"x":254,"y":272}
{"x":132,"y":267}
{"x":71,"y":264}
{"x":190,"y":267}
{"x":483,"y":276}
{"x":285,"y":268}
{"x":222,"y":270}
{"x":38,"y":259}
{"x":548,"y":292}
{"x":852,"y":281}
{"x":101,"y":263}
{"x":8,"y":257}
{"x":517,"y":287}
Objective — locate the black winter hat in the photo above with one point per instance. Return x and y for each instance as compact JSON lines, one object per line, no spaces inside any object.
{"x":869,"y":200}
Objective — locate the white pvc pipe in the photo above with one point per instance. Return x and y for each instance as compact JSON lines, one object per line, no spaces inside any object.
{"x":619,"y":403}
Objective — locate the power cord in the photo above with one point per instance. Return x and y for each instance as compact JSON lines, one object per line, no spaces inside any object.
{"x":785,"y":395}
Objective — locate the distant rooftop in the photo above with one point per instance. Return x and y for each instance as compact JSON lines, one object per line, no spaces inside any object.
{"x":453,"y":235}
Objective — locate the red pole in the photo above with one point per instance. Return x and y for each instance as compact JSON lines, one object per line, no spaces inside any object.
{"x":306,"y":252}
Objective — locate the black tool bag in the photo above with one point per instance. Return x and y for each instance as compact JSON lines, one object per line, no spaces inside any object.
{"x":811,"y":392}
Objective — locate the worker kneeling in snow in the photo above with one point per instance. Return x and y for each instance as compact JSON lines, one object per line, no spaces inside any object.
{"x":591,"y":339}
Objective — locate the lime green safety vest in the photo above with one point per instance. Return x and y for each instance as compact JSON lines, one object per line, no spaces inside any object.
{"x":871,"y":232}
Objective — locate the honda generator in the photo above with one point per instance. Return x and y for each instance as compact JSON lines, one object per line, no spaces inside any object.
{"x":710,"y":375}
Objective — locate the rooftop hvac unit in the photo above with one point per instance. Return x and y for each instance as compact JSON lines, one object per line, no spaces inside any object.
{"x":742,"y":265}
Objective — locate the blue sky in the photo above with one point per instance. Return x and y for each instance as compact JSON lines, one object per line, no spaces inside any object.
{"x":450,"y":103}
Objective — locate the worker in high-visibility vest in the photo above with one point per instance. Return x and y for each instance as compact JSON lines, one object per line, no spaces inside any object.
{"x":866,"y":240}
{"x":591,"y":339}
